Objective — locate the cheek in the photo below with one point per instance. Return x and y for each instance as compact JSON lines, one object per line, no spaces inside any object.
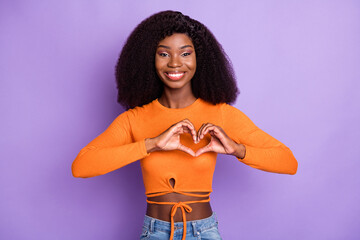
{"x":192,"y":64}
{"x":193,"y":59}
{"x":158,"y":64}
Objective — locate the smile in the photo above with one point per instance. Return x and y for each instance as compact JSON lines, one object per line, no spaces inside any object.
{"x":175,"y":75}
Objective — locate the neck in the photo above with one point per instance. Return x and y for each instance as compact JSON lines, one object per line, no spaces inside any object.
{"x":174,"y":99}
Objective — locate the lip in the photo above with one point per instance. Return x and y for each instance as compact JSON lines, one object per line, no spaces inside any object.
{"x":175,"y":76}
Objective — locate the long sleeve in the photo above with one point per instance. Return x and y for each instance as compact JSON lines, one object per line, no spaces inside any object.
{"x":112,"y":149}
{"x":263,"y":151}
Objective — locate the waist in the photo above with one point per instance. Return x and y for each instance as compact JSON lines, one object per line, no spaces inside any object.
{"x":184,"y":206}
{"x":160,"y":207}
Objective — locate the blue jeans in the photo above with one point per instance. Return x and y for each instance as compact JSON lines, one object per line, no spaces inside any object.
{"x":206,"y":229}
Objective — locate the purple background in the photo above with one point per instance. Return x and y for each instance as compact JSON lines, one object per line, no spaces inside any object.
{"x":297,"y":65}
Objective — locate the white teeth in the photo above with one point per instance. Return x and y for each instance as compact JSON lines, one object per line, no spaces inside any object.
{"x":176,"y":74}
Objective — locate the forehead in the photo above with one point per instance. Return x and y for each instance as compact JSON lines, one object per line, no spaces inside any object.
{"x":176,"y":40}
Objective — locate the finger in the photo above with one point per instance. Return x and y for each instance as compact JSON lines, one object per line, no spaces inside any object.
{"x":199,"y":132}
{"x":181,"y":126}
{"x":192,"y":130}
{"x":178,"y":130}
{"x":174,"y":130}
{"x":217,"y":132}
{"x":204,"y":130}
{"x":185,"y":125}
{"x":186,"y":130}
{"x":186,"y":149}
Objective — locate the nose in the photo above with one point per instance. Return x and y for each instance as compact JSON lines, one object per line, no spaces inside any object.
{"x":174,"y":62}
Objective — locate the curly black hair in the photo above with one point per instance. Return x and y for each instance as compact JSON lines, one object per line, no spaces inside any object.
{"x":136,"y":77}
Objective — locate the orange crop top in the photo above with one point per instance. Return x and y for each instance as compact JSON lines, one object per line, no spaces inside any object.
{"x":123,"y":142}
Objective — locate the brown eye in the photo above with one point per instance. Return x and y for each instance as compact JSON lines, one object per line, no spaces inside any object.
{"x":163,"y":54}
{"x":185,"y":54}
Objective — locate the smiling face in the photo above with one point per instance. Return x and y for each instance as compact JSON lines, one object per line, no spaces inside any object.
{"x":175,"y":61}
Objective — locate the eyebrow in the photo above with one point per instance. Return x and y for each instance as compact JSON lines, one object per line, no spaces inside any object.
{"x":167,"y":47}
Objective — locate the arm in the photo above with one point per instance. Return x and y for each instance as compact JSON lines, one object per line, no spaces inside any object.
{"x":258,"y":149}
{"x":112,"y":149}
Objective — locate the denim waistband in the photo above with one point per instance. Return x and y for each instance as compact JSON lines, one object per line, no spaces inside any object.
{"x":195,"y":226}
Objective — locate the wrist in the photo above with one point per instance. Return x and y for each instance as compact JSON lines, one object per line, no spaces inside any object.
{"x":240,"y":151}
{"x":150,"y":145}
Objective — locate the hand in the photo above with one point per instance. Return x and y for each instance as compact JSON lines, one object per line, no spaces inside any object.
{"x":219,"y":142}
{"x":170,"y":139}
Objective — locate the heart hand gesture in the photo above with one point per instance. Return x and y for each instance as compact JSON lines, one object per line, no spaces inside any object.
{"x":170,"y":139}
{"x":219,"y":143}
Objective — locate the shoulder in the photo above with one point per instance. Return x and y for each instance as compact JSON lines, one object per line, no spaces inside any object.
{"x":138,"y":111}
{"x":225,"y":109}
{"x":233,"y":116}
{"x":228,"y":109}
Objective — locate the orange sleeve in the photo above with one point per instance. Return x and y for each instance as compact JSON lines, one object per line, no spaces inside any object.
{"x":263,"y":152}
{"x":112,"y":149}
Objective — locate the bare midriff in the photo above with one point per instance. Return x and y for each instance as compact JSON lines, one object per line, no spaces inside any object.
{"x":178,"y":206}
{"x":200,"y":210}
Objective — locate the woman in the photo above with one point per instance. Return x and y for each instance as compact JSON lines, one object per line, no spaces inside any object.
{"x":176,"y":84}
